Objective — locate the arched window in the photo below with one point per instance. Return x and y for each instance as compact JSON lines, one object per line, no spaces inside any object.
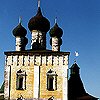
{"x":21,"y":80}
{"x":51,"y":80}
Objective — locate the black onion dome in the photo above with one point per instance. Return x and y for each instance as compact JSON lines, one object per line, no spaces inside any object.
{"x":38,"y":22}
{"x":19,"y":31}
{"x":56,"y":31}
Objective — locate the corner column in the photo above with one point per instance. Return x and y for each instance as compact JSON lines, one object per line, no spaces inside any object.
{"x":7,"y":82}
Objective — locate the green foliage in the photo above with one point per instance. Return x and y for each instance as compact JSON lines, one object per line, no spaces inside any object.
{"x":2,"y":89}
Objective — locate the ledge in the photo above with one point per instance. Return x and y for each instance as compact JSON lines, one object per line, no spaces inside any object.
{"x":36,"y":52}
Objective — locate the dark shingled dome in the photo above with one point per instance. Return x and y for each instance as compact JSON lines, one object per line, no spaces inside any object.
{"x":56,"y":31}
{"x":38,"y":22}
{"x":19,"y":31}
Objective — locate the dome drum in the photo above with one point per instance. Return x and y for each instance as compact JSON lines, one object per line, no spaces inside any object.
{"x":21,"y":42}
{"x":38,"y":41}
{"x":59,"y":41}
{"x":55,"y":43}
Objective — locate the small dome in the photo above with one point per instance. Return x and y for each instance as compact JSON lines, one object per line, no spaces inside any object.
{"x":56,"y":31}
{"x":38,"y":22}
{"x":19,"y":31}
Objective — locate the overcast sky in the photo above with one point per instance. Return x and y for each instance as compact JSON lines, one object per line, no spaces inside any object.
{"x":80,"y":21}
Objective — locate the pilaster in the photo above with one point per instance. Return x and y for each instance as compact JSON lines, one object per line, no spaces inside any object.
{"x":7,"y":74}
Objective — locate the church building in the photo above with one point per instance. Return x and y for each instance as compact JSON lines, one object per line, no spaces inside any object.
{"x":38,"y":73}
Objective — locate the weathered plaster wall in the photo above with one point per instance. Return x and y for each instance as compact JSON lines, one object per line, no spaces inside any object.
{"x":59,"y":63}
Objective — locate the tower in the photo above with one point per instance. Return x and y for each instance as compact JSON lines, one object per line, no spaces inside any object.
{"x":38,"y":73}
{"x":56,"y":34}
{"x":39,"y":26}
{"x":21,"y":41}
{"x":76,"y":89}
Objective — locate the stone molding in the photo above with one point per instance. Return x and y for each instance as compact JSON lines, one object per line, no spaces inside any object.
{"x":23,"y":60}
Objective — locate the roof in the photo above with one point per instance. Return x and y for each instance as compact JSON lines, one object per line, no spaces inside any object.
{"x":39,"y":22}
{"x":19,"y":31}
{"x":36,"y":52}
{"x":87,"y":97}
{"x":75,"y":66}
{"x":56,"y":31}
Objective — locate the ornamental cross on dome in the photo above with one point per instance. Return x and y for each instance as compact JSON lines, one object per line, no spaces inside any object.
{"x":38,"y":3}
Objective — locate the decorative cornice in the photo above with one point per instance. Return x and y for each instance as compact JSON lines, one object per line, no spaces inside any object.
{"x":35,"y":52}
{"x":37,"y":59}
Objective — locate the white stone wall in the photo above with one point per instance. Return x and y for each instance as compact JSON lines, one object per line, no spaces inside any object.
{"x":60,"y":60}
{"x":18,"y":43}
{"x":65,"y":83}
{"x":55,"y":45}
{"x":26,"y":60}
{"x":36,"y":81}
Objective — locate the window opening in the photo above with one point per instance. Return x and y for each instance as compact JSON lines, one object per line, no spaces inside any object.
{"x":21,"y":80}
{"x":51,"y":80}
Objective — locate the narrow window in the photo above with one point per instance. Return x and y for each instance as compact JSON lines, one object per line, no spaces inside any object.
{"x":51,"y":80}
{"x":51,"y":83}
{"x":21,"y":80}
{"x":21,"y":83}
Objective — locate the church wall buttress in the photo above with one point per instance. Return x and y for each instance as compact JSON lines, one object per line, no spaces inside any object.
{"x":36,"y":81}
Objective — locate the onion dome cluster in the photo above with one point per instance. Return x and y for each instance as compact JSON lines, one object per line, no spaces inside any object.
{"x":20,"y":31}
{"x":57,"y":32}
{"x":39,"y":22}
